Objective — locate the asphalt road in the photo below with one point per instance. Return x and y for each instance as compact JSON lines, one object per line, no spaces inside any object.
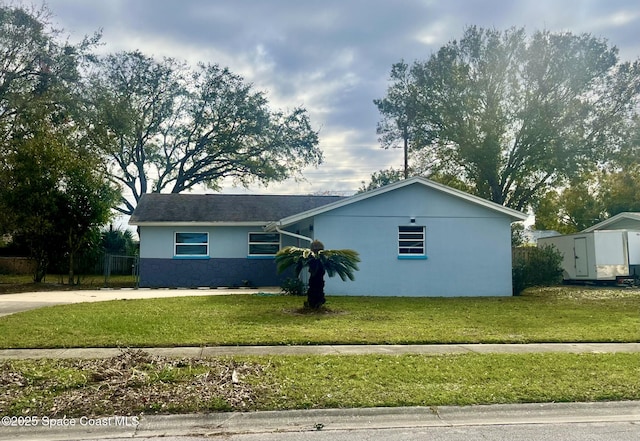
{"x":522,"y":432}
{"x":526,"y":432}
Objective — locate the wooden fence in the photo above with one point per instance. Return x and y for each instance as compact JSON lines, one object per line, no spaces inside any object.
{"x":17,"y":265}
{"x":522,"y":253}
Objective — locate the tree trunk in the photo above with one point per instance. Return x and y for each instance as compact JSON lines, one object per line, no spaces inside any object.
{"x":315,"y":293}
{"x":41,"y":270}
{"x":71,"y":281}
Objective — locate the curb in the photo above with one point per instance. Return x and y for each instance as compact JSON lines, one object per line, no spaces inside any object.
{"x":329,"y":420}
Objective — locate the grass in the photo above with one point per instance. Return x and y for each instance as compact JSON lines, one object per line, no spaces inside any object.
{"x":14,"y":283}
{"x":419,"y":380}
{"x":79,"y":388}
{"x":562,"y":314}
{"x":160,"y":385}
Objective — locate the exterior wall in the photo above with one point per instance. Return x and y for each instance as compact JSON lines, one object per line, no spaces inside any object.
{"x":189,"y":273}
{"x":228,"y":263}
{"x":224,"y":242}
{"x":468,"y":247}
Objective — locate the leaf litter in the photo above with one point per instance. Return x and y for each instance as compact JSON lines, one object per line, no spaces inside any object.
{"x":133,"y":382}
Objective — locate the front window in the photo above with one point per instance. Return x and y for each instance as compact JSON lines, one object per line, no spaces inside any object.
{"x":192,"y":244}
{"x":411,"y":241}
{"x":264,"y":244}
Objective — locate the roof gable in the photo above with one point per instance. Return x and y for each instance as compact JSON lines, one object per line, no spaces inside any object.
{"x":509,"y":212}
{"x":222,"y":208}
{"x":627,"y":219}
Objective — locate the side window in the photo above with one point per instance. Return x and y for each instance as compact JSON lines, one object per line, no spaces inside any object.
{"x":411,"y":241}
{"x":264,"y":244}
{"x":191,"y":244}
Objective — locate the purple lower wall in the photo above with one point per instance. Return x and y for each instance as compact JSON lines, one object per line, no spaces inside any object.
{"x":188,"y":273}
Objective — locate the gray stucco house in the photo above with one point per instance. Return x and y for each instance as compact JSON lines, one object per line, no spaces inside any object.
{"x":415,"y":238}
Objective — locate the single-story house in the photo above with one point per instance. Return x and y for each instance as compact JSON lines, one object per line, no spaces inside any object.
{"x":415,"y":237}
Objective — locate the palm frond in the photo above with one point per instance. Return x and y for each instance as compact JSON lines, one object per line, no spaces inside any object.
{"x":340,"y":262}
{"x":292,"y":256}
{"x":335,"y":262}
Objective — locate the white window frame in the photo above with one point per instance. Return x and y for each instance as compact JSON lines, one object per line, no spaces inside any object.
{"x":406,"y":243}
{"x":250,"y":243}
{"x":177,"y":245}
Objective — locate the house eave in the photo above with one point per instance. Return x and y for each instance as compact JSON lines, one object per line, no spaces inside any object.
{"x":199,"y":224}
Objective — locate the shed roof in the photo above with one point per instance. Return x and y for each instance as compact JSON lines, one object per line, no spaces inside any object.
{"x":160,"y":208}
{"x":628,"y":220}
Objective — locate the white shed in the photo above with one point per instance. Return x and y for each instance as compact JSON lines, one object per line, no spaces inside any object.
{"x":598,"y":255}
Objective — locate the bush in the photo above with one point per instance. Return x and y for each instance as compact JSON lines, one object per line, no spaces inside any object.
{"x":293,"y":287}
{"x":537,"y":267}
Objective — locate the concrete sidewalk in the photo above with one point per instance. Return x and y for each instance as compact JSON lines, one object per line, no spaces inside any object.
{"x":215,"y":351}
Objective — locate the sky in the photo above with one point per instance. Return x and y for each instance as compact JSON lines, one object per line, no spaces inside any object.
{"x":332,"y":57}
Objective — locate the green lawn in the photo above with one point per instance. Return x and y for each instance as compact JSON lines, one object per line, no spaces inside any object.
{"x":163,"y":385}
{"x":159,"y":385}
{"x":546,"y":315}
{"x":423,"y":380}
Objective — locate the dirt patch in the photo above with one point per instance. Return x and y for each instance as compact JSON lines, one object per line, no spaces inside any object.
{"x":133,"y":382}
{"x":585,"y":292}
{"x":323,"y":310}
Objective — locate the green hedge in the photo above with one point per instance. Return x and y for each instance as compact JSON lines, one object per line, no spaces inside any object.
{"x":536,"y":267}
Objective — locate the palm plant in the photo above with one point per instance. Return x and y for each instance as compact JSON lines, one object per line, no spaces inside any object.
{"x":319,"y":262}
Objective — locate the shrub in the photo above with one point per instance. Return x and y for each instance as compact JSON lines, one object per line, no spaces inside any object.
{"x":293,"y":287}
{"x":537,"y":267}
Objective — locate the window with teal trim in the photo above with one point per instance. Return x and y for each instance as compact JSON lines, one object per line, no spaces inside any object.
{"x":264,"y":244}
{"x":191,"y":244}
{"x":411,"y":241}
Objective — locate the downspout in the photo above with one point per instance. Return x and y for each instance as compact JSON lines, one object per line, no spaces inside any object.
{"x":303,"y":276}
{"x":297,"y":236}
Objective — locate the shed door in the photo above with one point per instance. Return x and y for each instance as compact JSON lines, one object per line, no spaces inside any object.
{"x":633,"y":241}
{"x":580,"y":254}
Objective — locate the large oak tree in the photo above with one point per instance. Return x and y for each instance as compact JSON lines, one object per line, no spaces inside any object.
{"x":513,"y":116}
{"x":167,"y":127}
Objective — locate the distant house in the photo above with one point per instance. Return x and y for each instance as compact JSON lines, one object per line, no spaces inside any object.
{"x":415,"y":238}
{"x":532,"y":236}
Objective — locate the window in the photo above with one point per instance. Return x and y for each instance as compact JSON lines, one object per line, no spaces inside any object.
{"x":411,"y":241}
{"x":192,"y":244}
{"x":264,"y":244}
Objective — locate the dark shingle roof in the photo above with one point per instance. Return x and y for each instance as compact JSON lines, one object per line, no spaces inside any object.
{"x":156,"y":207}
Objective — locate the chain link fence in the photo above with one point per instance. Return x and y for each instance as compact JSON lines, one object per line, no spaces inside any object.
{"x":121,"y":267}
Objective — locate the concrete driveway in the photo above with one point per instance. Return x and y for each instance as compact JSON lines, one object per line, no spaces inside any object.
{"x":12,"y":303}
